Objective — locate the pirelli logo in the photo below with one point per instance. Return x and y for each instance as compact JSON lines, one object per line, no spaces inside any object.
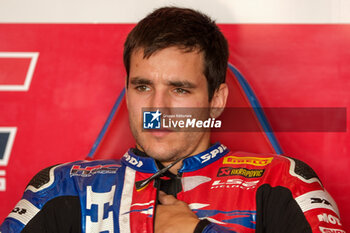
{"x":247,"y":173}
{"x":256,"y":161}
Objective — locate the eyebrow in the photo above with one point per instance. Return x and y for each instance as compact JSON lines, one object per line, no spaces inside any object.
{"x":140,"y":81}
{"x":184,"y":84}
{"x":144,"y":81}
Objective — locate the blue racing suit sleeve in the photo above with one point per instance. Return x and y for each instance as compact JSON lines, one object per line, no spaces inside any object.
{"x":44,"y":193}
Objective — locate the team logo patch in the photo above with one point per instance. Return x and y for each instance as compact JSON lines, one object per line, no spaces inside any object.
{"x":151,"y":120}
{"x":19,"y":210}
{"x":234,"y":183}
{"x":212,"y":154}
{"x":247,"y":173}
{"x":24,"y":211}
{"x":133,"y":160}
{"x":256,"y":161}
{"x":77,"y":170}
{"x":330,"y":230}
{"x":318,"y":199}
{"x":328,"y":218}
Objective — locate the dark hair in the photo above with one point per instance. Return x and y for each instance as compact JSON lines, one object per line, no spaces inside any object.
{"x":186,"y":29}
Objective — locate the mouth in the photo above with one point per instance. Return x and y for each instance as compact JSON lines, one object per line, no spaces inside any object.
{"x":159,"y":133}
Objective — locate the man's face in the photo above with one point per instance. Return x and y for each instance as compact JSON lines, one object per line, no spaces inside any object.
{"x":169,"y":78}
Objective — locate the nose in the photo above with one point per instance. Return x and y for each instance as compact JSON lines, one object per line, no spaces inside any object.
{"x":160,"y":99}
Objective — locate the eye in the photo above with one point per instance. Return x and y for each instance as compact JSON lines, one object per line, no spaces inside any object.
{"x":181,"y":91}
{"x":142,"y":88}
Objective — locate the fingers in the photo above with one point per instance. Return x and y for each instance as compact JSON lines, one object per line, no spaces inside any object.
{"x":171,"y":212}
{"x":165,"y":199}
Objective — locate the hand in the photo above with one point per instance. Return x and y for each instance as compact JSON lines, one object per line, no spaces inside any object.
{"x":174,"y":216}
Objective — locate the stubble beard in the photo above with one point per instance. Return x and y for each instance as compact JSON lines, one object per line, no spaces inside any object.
{"x":162,"y":153}
{"x":168,"y":150}
{"x":165,"y":153}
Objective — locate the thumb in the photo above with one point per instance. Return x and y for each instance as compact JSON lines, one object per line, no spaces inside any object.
{"x":165,"y":199}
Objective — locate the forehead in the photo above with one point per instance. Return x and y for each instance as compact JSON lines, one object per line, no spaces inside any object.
{"x":169,"y":62}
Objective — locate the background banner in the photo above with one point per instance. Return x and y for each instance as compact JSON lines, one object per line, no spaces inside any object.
{"x":61,"y":71}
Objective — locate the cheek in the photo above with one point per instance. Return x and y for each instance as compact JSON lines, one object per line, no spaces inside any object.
{"x":198,"y":102}
{"x":135,"y":113}
{"x":201,"y":99}
{"x":134,"y":110}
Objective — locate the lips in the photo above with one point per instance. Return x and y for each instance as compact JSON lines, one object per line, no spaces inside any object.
{"x":160,"y":132}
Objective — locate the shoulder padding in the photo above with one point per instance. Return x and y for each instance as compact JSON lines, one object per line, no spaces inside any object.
{"x":303,"y":171}
{"x":41,"y":178}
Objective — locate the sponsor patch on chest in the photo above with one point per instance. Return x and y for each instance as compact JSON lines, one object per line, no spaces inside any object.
{"x":234,"y":183}
{"x":247,"y":173}
{"x":256,"y":161}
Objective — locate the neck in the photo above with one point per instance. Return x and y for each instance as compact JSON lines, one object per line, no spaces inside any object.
{"x":202,"y":145}
{"x":174,"y":169}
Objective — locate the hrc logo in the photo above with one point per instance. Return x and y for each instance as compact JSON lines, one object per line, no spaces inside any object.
{"x":77,"y":170}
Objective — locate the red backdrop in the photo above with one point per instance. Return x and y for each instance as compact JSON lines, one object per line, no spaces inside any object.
{"x":79,"y":74}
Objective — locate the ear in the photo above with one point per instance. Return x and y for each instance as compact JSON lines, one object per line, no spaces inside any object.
{"x":218,"y":102}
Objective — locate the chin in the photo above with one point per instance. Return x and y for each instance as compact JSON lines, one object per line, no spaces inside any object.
{"x":168,"y":147}
{"x":162,"y":150}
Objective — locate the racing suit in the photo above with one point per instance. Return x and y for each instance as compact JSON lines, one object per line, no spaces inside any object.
{"x":235,"y":191}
